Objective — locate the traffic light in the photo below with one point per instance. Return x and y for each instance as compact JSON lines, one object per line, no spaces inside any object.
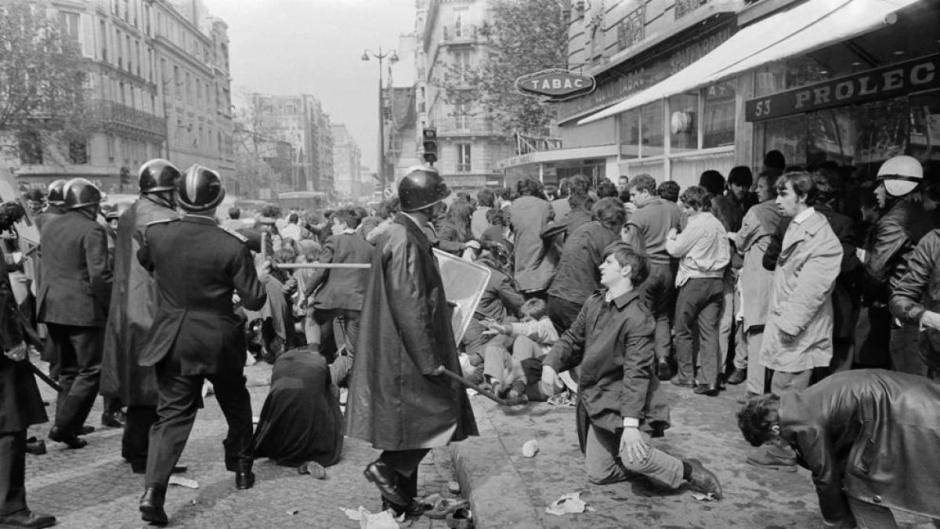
{"x":429,"y":144}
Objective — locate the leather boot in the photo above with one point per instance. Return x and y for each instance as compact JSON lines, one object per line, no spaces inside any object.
{"x":386,"y":480}
{"x":151,"y":506}
{"x":703,"y":480}
{"x":244,"y":479}
{"x":27,"y":518}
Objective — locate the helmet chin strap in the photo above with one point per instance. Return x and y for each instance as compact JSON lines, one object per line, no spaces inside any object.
{"x":162,"y":198}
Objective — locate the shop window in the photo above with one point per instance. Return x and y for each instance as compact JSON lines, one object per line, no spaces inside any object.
{"x":651,"y":127}
{"x":630,"y":133}
{"x":718,"y":116}
{"x":683,"y":122}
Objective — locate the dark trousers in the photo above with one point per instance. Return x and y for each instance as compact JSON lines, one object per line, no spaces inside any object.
{"x":699,"y":305}
{"x":136,"y":439}
{"x":179,"y":398}
{"x":659,"y":293}
{"x":12,"y":472}
{"x":405,"y":463}
{"x":562,"y":312}
{"x":79,"y":351}
{"x":348,"y":321}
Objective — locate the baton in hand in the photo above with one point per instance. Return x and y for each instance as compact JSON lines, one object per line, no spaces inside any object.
{"x":486,"y":393}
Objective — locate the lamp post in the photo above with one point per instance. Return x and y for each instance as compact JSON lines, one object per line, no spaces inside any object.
{"x":392,"y":59}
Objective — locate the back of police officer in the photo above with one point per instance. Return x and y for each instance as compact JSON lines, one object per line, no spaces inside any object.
{"x":197,"y":267}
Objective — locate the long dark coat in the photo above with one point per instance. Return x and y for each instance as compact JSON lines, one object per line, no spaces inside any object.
{"x":133,"y":304}
{"x":868,"y":434}
{"x":20,"y":401}
{"x":406,"y":334}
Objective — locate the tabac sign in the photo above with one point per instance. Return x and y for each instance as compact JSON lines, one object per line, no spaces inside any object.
{"x":555,"y":84}
{"x":898,"y":79}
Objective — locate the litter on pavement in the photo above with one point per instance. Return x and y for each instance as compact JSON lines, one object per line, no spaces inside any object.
{"x":570,"y":503}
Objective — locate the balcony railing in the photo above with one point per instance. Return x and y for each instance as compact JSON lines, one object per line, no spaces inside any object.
{"x":112,"y":113}
{"x":528,"y":144}
{"x":464,"y":126}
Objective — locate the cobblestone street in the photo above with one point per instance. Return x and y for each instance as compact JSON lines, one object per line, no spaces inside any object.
{"x":94,"y":488}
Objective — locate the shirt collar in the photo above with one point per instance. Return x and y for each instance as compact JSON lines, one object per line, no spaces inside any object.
{"x":803,"y":215}
{"x":622,"y":300}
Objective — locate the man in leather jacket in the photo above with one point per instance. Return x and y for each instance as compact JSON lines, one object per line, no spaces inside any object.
{"x":868,"y":437}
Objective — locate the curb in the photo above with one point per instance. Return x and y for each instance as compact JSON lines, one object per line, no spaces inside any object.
{"x":485,"y":470}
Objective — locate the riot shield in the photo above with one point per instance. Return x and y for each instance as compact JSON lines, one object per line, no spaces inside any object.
{"x":464,"y":283}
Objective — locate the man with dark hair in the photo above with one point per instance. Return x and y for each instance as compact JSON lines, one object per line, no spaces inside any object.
{"x":607,"y":189}
{"x":234,"y":220}
{"x":578,"y":275}
{"x":398,"y":401}
{"x":612,"y":341}
{"x":341,"y":290}
{"x":868,"y":437}
{"x":668,"y":190}
{"x":703,"y":250}
{"x":535,"y":259}
{"x":774,"y":163}
{"x":560,"y":205}
{"x":650,"y":223}
{"x":485,"y":201}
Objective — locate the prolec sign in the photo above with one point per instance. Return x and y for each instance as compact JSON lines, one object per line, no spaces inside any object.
{"x":555,"y":84}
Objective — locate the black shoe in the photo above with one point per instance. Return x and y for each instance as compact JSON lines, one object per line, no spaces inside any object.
{"x":710,"y":390}
{"x":27,"y":518}
{"x":412,"y":510}
{"x":113,"y":420}
{"x":737,"y":376}
{"x":664,"y":371}
{"x":385,"y":479}
{"x":151,"y":506}
{"x":703,"y":480}
{"x":244,"y":479}
{"x":72,"y":440}
{"x":86,"y":430}
{"x":36,"y":447}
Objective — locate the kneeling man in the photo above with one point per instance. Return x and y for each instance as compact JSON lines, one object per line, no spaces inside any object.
{"x":870,"y":438}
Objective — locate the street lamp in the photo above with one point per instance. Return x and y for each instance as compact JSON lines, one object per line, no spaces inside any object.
{"x":392,"y":59}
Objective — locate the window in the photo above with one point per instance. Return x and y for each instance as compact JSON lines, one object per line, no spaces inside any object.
{"x":121,"y":93}
{"x":137,"y":55}
{"x":651,"y":126}
{"x":463,"y":157}
{"x":30,"y":147}
{"x":110,"y":145}
{"x":462,"y":115}
{"x":683,"y":122}
{"x":189,"y":88}
{"x":462,"y":64}
{"x":130,"y":53}
{"x":458,"y":25}
{"x":176,"y":81}
{"x":69,"y":24}
{"x":718,"y":116}
{"x":78,"y":152}
{"x":120,"y":49}
{"x":104,"y":41}
{"x":630,"y":133}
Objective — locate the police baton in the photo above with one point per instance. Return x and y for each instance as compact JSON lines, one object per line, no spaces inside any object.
{"x":42,"y":376}
{"x":486,"y":393}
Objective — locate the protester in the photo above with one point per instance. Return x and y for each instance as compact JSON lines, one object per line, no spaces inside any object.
{"x":535,"y":260}
{"x":234,"y":221}
{"x":915,"y":299}
{"x":197,"y":267}
{"x":397,"y":399}
{"x":703,"y":250}
{"x":453,"y":229}
{"x":866,"y":436}
{"x":612,"y":342}
{"x":486,"y":200}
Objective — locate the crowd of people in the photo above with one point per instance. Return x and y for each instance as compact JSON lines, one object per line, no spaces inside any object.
{"x":816,"y":287}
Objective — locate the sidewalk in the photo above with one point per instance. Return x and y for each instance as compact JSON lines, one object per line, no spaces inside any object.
{"x":509,"y":490}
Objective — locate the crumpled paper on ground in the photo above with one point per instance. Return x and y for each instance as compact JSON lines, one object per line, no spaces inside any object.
{"x":368,"y":520}
{"x":570,"y":503}
{"x":184,"y":482}
{"x":704,"y":497}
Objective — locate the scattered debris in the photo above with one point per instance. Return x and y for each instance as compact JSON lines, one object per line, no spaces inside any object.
{"x":368,"y":520}
{"x":313,"y":468}
{"x":704,"y":497}
{"x":462,"y":518}
{"x":183,"y":482}
{"x":293,"y":512}
{"x":570,"y":503}
{"x":453,"y":487}
{"x":194,"y":501}
{"x":530,"y":448}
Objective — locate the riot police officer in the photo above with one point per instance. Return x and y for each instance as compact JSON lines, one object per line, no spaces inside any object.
{"x":73,"y":300}
{"x":132,"y":309}
{"x":197,"y":266}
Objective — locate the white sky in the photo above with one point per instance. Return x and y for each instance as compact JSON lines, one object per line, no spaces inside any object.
{"x":314,"y":46}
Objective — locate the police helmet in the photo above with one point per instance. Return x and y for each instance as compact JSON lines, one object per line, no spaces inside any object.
{"x":420,"y":188}
{"x":200,"y":189}
{"x":900,"y":175}
{"x":157,"y":175}
{"x":56,"y":195}
{"x":80,"y":193}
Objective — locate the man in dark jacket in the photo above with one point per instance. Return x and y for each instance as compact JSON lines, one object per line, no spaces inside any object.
{"x":133,"y":303}
{"x":869,"y":437}
{"x":341,"y":290}
{"x":20,"y":407}
{"x":73,"y":302}
{"x":196,"y":335}
{"x":399,"y":400}
{"x":612,"y":342}
{"x":915,"y":299}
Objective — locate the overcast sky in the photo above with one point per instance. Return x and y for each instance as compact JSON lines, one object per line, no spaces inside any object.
{"x":314,"y":46}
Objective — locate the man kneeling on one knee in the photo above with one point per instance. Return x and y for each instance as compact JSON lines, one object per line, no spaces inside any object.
{"x":612,"y":341}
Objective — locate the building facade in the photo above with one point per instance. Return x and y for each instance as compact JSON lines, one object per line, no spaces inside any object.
{"x":157,"y":86}
{"x":347,"y":164}
{"x":450,"y":46}
{"x":689,"y":85}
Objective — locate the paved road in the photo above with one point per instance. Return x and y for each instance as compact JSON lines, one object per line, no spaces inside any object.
{"x":94,"y":488}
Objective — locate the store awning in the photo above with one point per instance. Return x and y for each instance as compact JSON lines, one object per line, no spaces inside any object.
{"x":806,"y":27}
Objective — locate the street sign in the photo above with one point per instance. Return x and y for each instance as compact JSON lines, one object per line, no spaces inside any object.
{"x":555,"y":84}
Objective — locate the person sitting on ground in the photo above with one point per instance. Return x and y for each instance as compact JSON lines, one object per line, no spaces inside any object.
{"x":612,"y":342}
{"x":868,"y":436}
{"x":300,"y":420}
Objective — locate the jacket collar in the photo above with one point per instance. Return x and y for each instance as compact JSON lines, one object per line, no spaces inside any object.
{"x":199,"y":219}
{"x":622,"y":300}
{"x":412,"y":227}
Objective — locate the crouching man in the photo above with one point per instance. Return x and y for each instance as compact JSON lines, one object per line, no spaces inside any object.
{"x":868,"y":436}
{"x":612,"y":341}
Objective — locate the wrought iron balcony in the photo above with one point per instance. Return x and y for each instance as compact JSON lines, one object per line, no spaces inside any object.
{"x":113,"y":114}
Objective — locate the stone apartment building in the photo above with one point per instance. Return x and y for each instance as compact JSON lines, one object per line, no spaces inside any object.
{"x":347,"y":164}
{"x":158,"y":86}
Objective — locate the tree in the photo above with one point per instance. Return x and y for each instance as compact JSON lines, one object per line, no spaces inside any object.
{"x":42,"y":94}
{"x":524,"y":37}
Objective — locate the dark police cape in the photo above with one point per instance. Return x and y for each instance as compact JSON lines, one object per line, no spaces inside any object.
{"x":301,"y":420}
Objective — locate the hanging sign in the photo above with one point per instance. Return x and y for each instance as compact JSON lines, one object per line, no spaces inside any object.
{"x":555,"y":84}
{"x":895,"y":80}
